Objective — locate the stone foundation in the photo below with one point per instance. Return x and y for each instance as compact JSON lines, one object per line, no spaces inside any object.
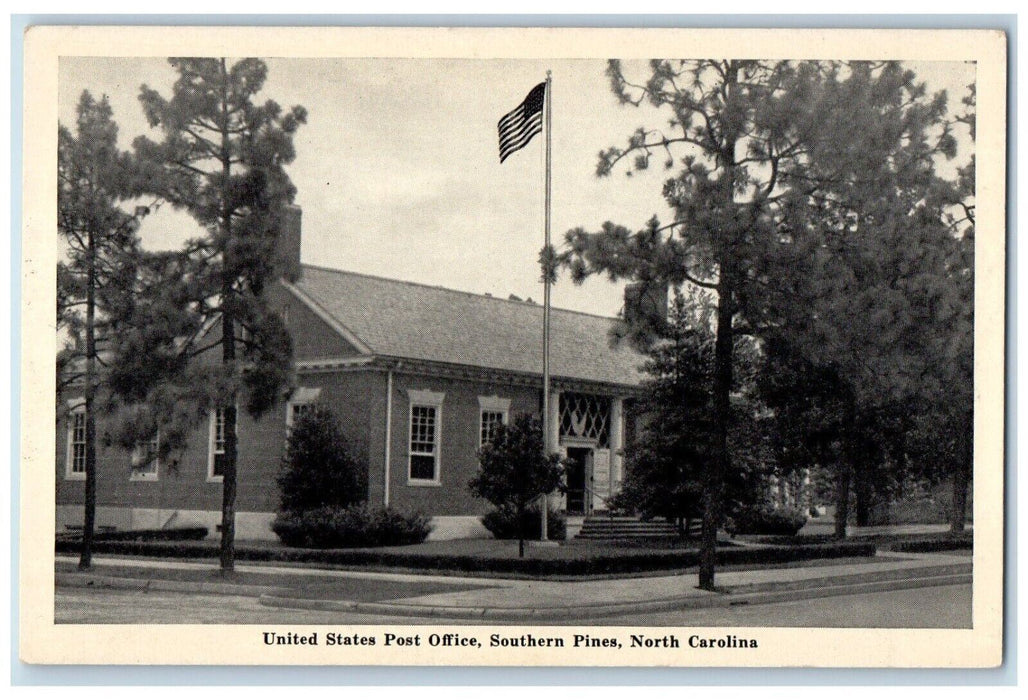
{"x":249,"y":526}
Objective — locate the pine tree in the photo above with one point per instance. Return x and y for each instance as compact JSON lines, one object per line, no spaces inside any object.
{"x":871,"y":298}
{"x":665,"y":462}
{"x":222,"y":159}
{"x":763,"y":146}
{"x":943,"y":434}
{"x":94,"y":179}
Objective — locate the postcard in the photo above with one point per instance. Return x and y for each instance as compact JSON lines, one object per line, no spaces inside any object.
{"x":513,"y":346}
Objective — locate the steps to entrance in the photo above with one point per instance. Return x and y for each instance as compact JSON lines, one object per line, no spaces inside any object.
{"x":620,"y":527}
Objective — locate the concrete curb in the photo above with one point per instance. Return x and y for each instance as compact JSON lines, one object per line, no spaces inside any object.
{"x":884,"y":576}
{"x":700,"y":600}
{"x":898,"y":584}
{"x":86,"y":580}
{"x":693,"y":601}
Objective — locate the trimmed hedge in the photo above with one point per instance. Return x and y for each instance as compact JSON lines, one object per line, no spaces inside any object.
{"x":601,"y":564}
{"x":502,"y":522}
{"x":934,"y":544}
{"x":793,"y":540}
{"x":173,"y":534}
{"x":890,"y":540}
{"x":332,"y":527}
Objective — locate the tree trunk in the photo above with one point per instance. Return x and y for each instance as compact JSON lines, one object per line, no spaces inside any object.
{"x":961,"y":481}
{"x":713,"y":483}
{"x":89,"y":500}
{"x":714,"y":479}
{"x":228,"y":494}
{"x":842,"y":499}
{"x":228,"y":480}
{"x":864,"y":500}
{"x":228,"y":346}
{"x":521,"y":532}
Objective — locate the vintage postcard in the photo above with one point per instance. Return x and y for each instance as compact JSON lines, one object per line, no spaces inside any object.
{"x":487,"y":347}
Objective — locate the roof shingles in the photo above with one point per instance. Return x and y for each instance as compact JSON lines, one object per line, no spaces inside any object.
{"x":415,"y":321}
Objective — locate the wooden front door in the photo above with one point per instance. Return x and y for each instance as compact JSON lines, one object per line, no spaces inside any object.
{"x":578,"y":478}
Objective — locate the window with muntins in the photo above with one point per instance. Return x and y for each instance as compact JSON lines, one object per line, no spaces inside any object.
{"x":492,"y":412}
{"x":77,"y":444}
{"x":216,"y":462}
{"x":489,"y":423}
{"x":145,"y":461}
{"x":300,"y":403}
{"x":299,"y":410}
{"x":424,"y":443}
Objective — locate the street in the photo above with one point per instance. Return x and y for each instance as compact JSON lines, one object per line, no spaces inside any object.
{"x":934,"y":607}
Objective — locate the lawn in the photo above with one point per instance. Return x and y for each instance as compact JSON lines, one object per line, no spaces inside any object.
{"x":572,"y":560}
{"x":303,"y":585}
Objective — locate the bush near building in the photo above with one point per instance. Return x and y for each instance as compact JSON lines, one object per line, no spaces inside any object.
{"x":766,"y":520}
{"x":360,"y":525}
{"x":319,"y":468}
{"x":503,"y":524}
{"x":324,"y":491}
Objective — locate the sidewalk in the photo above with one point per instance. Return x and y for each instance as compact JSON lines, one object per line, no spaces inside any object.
{"x":509,"y":599}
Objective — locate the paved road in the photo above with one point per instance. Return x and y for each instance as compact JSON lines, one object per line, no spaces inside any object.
{"x":943,"y":606}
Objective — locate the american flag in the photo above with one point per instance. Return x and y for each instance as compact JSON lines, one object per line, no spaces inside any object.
{"x":518,"y":126}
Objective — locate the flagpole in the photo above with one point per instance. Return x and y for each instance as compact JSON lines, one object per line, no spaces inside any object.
{"x":544,"y":507}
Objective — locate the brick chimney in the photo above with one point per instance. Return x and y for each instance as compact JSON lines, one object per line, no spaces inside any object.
{"x":287,"y":243}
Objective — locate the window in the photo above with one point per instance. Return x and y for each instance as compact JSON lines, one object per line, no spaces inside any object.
{"x":145,"y":460}
{"x":493,"y":411}
{"x":297,"y":411}
{"x":217,"y":457}
{"x":301,"y":401}
{"x":585,"y":416}
{"x":76,"y":465}
{"x":425,"y":423}
{"x":490,"y":420}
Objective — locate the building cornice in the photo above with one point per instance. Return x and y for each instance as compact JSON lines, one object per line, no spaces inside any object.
{"x":445,"y":370}
{"x":335,"y":364}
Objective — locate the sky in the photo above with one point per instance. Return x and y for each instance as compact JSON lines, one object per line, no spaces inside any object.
{"x":397,"y":168}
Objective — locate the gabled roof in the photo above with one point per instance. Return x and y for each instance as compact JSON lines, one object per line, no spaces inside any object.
{"x":393,"y":318}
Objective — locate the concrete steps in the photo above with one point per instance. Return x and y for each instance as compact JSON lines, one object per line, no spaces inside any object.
{"x":620,"y":527}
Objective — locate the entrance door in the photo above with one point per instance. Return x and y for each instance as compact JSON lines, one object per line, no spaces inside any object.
{"x":577,"y":475}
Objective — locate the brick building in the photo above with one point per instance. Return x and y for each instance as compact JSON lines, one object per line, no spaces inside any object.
{"x":418,"y":375}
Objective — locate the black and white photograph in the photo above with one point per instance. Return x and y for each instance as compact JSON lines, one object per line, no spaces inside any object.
{"x":515,"y":347}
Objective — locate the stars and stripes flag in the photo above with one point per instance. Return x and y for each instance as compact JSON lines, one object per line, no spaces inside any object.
{"x":518,"y":126}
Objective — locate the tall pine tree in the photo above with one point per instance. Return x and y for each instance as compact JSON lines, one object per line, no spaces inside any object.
{"x":869,"y":296}
{"x":94,"y":179}
{"x":760,"y":145}
{"x":665,"y":462}
{"x":222,"y":159}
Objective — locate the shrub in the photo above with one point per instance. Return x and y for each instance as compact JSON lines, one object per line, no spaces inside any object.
{"x":353,"y":526}
{"x":318,"y":468}
{"x":503,"y":523}
{"x":964,"y":541}
{"x":765,"y":520}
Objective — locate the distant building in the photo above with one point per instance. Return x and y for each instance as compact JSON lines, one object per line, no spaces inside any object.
{"x":418,"y":375}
